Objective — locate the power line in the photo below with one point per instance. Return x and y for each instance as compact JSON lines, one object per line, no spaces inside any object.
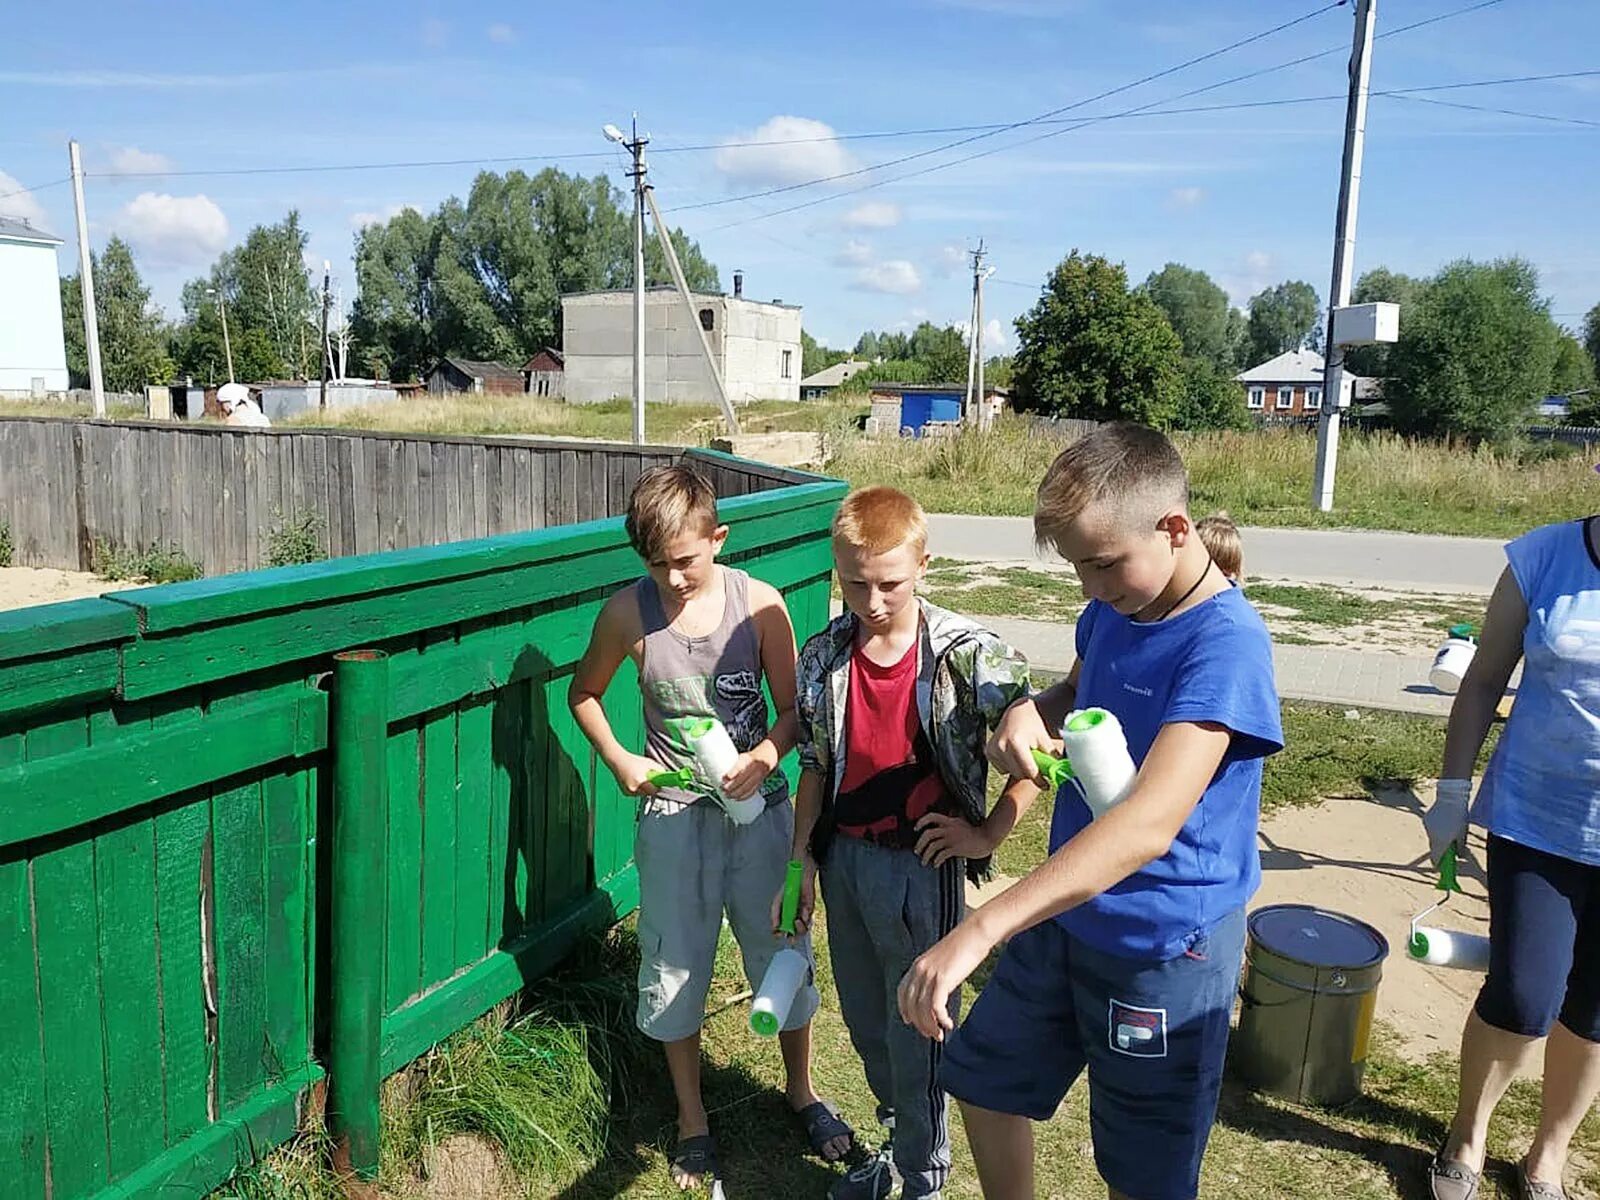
{"x":1508,"y":112}
{"x":1042,"y":117}
{"x":38,"y":187}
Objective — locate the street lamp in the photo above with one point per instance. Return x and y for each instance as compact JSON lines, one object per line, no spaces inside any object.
{"x":222,"y":307}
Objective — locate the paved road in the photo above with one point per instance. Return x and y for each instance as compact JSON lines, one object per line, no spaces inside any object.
{"x":1361,"y":678}
{"x":1406,"y":561}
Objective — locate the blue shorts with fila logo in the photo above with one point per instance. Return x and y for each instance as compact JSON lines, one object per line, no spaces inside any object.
{"x":1152,"y":1035}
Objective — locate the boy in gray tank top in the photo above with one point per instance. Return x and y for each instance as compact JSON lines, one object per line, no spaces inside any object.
{"x":703,"y":637}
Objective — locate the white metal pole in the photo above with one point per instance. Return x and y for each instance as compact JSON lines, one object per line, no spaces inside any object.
{"x":1344,"y":244}
{"x":227,"y":346}
{"x":91,"y":318}
{"x":637,"y":146}
{"x":665,"y":238}
{"x":977,"y":342}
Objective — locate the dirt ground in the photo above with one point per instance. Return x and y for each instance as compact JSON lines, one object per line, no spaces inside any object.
{"x":21,"y":587}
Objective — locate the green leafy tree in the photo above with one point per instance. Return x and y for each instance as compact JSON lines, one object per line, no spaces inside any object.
{"x":1000,"y":371}
{"x":1282,"y":318}
{"x":484,"y":278}
{"x":1198,"y":311}
{"x":867,"y":346}
{"x":198,"y":350}
{"x":133,"y":335}
{"x":942,"y":350}
{"x":1091,"y":348}
{"x":1381,"y":284}
{"x":1211,"y":399}
{"x":1573,"y":370}
{"x":1477,"y":353}
{"x":1591,"y":336}
{"x":814,"y":356}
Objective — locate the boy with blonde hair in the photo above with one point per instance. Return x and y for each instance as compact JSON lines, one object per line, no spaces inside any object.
{"x":1122,"y":950}
{"x":896,"y":697}
{"x":703,"y":637}
{"x":1222,"y":541}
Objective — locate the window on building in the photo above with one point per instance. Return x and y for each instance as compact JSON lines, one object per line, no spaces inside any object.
{"x":788,"y":362}
{"x":708,"y":320}
{"x":1285,"y":397}
{"x":1258,"y":397}
{"x":1313,"y":398}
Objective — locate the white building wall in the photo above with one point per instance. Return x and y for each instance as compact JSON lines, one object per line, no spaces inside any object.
{"x":597,"y":344}
{"x":31,"y":344}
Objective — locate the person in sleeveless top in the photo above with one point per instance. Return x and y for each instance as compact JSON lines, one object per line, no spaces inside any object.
{"x":1539,"y":804}
{"x":703,"y":638}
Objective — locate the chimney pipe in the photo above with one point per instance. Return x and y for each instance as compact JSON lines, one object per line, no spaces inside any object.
{"x":738,"y":285}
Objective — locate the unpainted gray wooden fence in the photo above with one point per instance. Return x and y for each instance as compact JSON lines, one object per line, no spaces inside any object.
{"x":217,"y":493}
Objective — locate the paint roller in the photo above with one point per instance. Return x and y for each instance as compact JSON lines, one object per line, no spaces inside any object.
{"x":1095,"y":754}
{"x":789,"y":969}
{"x":714,"y":756}
{"x":1435,"y":947}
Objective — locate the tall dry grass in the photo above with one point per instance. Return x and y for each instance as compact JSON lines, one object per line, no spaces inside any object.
{"x":1262,"y":477}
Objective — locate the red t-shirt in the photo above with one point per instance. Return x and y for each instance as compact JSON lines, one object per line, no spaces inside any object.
{"x":890,"y":781}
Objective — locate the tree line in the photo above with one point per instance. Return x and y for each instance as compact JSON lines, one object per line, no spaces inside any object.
{"x":480,"y":278}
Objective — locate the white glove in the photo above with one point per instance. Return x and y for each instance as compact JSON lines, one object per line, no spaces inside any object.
{"x":1446,"y":820}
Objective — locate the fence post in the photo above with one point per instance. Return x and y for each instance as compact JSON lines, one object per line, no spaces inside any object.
{"x":360,"y":729}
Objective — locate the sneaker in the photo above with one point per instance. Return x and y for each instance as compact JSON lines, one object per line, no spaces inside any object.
{"x":874,"y":1179}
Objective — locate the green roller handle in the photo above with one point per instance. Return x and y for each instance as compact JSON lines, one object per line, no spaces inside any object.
{"x":792,"y":879}
{"x":1055,"y":770}
{"x":681,"y":778}
{"x":1447,"y":871}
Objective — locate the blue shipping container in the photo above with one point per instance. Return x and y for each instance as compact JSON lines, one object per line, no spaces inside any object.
{"x":918,"y":408}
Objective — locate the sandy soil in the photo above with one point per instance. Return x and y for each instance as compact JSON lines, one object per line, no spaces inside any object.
{"x":21,"y":587}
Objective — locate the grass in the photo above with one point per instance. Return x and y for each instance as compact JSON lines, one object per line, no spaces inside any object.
{"x":296,"y":537}
{"x":69,"y":408}
{"x":7,"y":548}
{"x":981,"y":589}
{"x":578,"y":1104}
{"x":1333,"y":607}
{"x":1261,"y":477}
{"x":157,"y":564}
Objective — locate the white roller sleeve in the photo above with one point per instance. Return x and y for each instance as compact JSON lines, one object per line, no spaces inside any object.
{"x":1094,"y":744}
{"x":714,"y":756}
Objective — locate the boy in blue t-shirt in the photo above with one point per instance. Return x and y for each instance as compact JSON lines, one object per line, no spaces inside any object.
{"x":1124,"y":946}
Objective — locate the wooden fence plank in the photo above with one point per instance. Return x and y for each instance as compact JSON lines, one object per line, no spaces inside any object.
{"x":125,"y":879}
{"x":180,"y":836}
{"x":22,"y":1099}
{"x":507,"y":744}
{"x":474,"y":748}
{"x":240,"y":853}
{"x":403,"y":940}
{"x":438,"y":846}
{"x":287,"y":1014}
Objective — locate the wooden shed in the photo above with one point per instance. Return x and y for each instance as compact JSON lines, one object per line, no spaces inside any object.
{"x":466,"y":375}
{"x":544,"y":372}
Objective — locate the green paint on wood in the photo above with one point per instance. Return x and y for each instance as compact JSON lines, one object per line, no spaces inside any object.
{"x":22,"y":1104}
{"x":473,"y":759}
{"x":283,"y":816}
{"x":72,"y":625}
{"x":239,"y":854}
{"x":507,"y":749}
{"x":126,"y":882}
{"x":179,"y":838}
{"x":616,"y":812}
{"x":58,"y":679}
{"x":567,"y":802}
{"x":50,"y":794}
{"x":201,"y":1162}
{"x":438,"y":847}
{"x":403,"y":941}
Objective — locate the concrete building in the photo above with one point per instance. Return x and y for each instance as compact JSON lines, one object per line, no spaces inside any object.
{"x":756,"y":346}
{"x":33,"y":353}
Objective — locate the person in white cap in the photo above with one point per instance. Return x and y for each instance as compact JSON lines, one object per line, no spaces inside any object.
{"x":239,"y":409}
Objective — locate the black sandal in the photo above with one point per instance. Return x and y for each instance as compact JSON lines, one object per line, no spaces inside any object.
{"x":695,"y":1156}
{"x":823,"y":1125}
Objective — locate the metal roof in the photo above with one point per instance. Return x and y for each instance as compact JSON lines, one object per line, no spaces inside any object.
{"x":835,"y":375}
{"x":1292,"y":366}
{"x":13,"y":227}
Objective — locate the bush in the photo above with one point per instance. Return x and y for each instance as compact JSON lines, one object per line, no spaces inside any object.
{"x":6,"y":548}
{"x":159,"y":564}
{"x":295,"y":539}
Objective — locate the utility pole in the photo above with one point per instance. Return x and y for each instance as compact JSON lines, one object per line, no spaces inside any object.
{"x":322,"y":390}
{"x":91,"y":318}
{"x":1344,"y":244}
{"x":974,"y":335}
{"x":222,"y":310}
{"x":635,"y":145}
{"x":977,"y":340}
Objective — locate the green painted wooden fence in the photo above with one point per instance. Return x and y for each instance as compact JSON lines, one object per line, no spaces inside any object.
{"x":168,"y":841}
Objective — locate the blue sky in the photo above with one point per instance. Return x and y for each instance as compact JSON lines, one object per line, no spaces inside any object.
{"x":1245,"y":194}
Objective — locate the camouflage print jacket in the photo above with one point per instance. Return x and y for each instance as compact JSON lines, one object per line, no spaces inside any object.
{"x":969,"y":677}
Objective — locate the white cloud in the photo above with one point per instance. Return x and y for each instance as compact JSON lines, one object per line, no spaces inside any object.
{"x":950,"y":259}
{"x":812,"y":152}
{"x":853,"y":253}
{"x":24,"y":206}
{"x":502,"y":34}
{"x":173,"y":231}
{"x":895,"y":277}
{"x":1186,"y":197}
{"x":996,"y":339}
{"x":130,"y":160}
{"x":435,"y":33}
{"x":874,"y":214}
{"x":1248,"y":276}
{"x":382,"y":216}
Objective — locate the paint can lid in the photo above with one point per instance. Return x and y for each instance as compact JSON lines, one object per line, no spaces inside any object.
{"x":1318,"y":937}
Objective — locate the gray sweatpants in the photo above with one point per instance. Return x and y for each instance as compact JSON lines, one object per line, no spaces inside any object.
{"x":884,"y":908}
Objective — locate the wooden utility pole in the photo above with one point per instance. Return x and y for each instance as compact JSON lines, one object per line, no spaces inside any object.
{"x":91,"y":317}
